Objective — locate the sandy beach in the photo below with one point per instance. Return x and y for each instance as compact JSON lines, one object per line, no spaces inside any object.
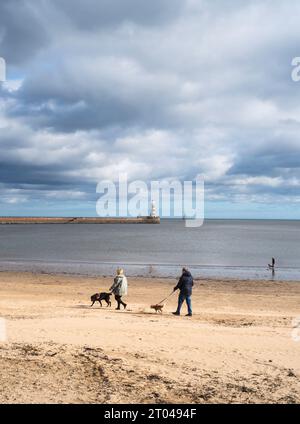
{"x":237,"y":348}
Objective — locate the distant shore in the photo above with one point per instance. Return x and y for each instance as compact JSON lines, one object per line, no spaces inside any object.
{"x":240,"y":345}
{"x":78,"y":220}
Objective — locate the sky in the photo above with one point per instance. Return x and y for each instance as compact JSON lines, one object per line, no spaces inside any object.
{"x":167,"y":89}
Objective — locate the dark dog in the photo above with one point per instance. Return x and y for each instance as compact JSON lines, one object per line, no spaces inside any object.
{"x":98,"y":297}
{"x":158,"y":308}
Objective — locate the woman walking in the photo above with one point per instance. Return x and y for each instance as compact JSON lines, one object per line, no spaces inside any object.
{"x":119,"y":288}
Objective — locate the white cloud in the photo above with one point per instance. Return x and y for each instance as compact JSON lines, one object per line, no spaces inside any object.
{"x":201,"y":87}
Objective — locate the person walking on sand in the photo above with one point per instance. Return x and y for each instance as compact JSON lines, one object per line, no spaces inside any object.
{"x":119,"y":288}
{"x":184,"y":286}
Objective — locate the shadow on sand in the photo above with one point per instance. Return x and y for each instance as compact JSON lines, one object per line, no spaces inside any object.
{"x":113,"y":310}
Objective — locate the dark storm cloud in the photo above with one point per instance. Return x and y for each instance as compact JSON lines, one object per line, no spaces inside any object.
{"x":81,"y":93}
{"x":161,"y":89}
{"x":21,"y":32}
{"x":17,"y":174}
{"x":91,"y":14}
{"x":270,"y":154}
{"x":268,"y":162}
{"x":69,"y":117}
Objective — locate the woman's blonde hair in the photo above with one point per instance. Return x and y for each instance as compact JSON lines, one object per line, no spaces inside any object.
{"x":120,"y":271}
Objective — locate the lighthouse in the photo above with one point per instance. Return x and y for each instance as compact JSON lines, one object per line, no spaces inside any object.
{"x":153,"y":213}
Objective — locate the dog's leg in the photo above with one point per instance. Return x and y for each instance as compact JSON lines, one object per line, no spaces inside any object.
{"x":100,"y":303}
{"x":92,"y":303}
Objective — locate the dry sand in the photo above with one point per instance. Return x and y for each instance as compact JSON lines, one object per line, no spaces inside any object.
{"x":238,"y":347}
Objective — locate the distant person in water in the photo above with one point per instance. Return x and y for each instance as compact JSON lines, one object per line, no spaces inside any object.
{"x":272,"y":265}
{"x":119,"y":288}
{"x":185,"y":287}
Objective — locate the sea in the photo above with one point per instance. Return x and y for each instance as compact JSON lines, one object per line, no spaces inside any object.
{"x":234,"y":249}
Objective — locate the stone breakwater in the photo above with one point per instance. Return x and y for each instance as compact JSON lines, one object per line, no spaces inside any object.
{"x":78,"y":220}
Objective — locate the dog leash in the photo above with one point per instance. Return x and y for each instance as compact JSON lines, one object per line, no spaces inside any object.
{"x":166,"y":298}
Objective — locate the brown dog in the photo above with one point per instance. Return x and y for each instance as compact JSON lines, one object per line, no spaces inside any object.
{"x":158,"y":308}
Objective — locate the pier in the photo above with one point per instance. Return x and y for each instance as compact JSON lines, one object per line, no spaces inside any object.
{"x":78,"y":220}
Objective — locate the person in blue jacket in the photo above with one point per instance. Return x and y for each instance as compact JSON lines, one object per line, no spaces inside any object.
{"x":185,"y":287}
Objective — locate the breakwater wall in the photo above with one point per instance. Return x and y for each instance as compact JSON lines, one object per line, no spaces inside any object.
{"x":78,"y":220}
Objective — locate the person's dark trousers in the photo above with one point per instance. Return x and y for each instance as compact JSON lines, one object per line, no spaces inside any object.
{"x":181,"y":298}
{"x":119,"y":301}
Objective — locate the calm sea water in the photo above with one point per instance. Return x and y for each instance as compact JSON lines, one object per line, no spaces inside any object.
{"x":220,"y":248}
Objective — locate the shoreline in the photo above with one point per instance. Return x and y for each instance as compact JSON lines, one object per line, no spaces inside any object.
{"x":148,"y":277}
{"x":200,"y":272}
{"x":237,"y":348}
